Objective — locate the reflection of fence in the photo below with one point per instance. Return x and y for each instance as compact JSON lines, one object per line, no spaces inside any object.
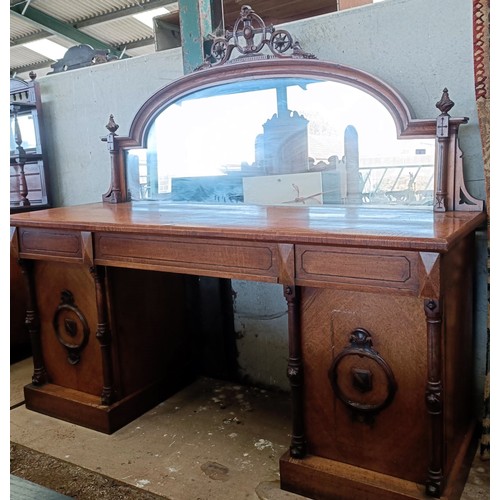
{"x":400,"y":184}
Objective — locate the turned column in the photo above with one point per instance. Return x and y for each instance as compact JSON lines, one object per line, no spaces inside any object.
{"x":295,"y":372}
{"x":434,"y":396}
{"x":103,"y":334}
{"x":19,"y":162}
{"x":32,"y":323}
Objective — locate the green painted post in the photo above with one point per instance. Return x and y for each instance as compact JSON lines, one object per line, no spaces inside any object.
{"x":198,"y":19}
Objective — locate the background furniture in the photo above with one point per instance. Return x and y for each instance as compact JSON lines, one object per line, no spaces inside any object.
{"x":29,"y":189}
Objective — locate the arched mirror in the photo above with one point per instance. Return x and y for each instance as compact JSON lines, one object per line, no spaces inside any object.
{"x":283,"y":140}
{"x":274,"y":129}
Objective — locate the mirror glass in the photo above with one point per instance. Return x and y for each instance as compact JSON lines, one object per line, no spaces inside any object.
{"x":26,"y":123}
{"x":283,"y":140}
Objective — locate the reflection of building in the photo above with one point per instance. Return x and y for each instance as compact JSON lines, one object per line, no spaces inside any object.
{"x":346,"y":182}
{"x":351,"y":150}
{"x":283,"y":147}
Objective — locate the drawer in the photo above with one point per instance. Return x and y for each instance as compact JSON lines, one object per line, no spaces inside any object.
{"x":52,"y":244}
{"x":220,"y":258}
{"x":376,"y":268}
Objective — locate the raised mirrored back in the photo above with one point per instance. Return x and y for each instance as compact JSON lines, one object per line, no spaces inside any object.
{"x":281,"y":140}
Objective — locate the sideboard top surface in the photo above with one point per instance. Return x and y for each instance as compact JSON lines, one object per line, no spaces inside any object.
{"x":421,"y":230}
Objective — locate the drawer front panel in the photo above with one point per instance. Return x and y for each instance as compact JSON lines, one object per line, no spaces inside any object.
{"x":52,"y":244}
{"x":379,"y":268}
{"x":184,"y":255}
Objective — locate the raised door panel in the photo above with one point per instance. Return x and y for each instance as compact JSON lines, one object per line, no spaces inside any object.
{"x":67,"y":307}
{"x":395,"y":441}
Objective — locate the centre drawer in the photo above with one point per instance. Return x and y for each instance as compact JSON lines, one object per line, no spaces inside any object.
{"x":213,"y":257}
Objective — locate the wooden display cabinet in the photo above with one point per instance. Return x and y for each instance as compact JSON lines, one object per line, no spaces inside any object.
{"x":29,"y":178}
{"x":29,"y":189}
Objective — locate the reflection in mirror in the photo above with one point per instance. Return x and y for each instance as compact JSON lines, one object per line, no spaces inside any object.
{"x":26,"y":125}
{"x":281,"y":141}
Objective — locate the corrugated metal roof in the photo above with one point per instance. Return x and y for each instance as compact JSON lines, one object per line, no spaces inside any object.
{"x":110,"y":25}
{"x":80,"y":11}
{"x":112,"y":32}
{"x":110,"y":22}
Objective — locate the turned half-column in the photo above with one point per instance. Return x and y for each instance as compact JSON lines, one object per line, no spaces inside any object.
{"x":434,"y":396}
{"x":103,"y":334}
{"x":295,"y":372}
{"x":32,"y":323}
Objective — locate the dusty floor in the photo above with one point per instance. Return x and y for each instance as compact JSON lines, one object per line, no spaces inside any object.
{"x":204,"y":443}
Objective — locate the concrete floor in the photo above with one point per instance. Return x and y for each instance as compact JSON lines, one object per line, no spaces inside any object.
{"x":206,"y":443}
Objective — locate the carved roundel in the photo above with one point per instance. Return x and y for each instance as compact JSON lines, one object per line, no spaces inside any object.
{"x":71,"y":327}
{"x":361,"y":378}
{"x":244,"y":29}
{"x":280,"y":41}
{"x":220,"y":49}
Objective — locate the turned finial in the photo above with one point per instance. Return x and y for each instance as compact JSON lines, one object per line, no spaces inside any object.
{"x":445,"y":103}
{"x":112,"y":126}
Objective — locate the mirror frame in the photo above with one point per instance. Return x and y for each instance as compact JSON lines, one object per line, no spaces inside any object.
{"x":450,"y":193}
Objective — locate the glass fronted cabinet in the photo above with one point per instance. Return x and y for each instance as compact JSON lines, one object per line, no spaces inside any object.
{"x":29,"y":187}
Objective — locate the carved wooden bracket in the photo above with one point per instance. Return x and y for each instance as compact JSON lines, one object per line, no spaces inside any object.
{"x":363,"y":381}
{"x":71,"y":327}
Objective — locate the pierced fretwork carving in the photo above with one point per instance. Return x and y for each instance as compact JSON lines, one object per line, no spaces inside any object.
{"x":249,"y":36}
{"x":71,"y":327}
{"x":359,"y":386}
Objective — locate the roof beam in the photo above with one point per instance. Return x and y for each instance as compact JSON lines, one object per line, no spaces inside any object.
{"x":56,"y":27}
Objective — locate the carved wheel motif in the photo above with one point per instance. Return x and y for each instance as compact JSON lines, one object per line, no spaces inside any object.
{"x":361,"y":378}
{"x":71,"y":327}
{"x":280,"y":41}
{"x":220,"y":50}
{"x":245,"y":28}
{"x":249,"y":36}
